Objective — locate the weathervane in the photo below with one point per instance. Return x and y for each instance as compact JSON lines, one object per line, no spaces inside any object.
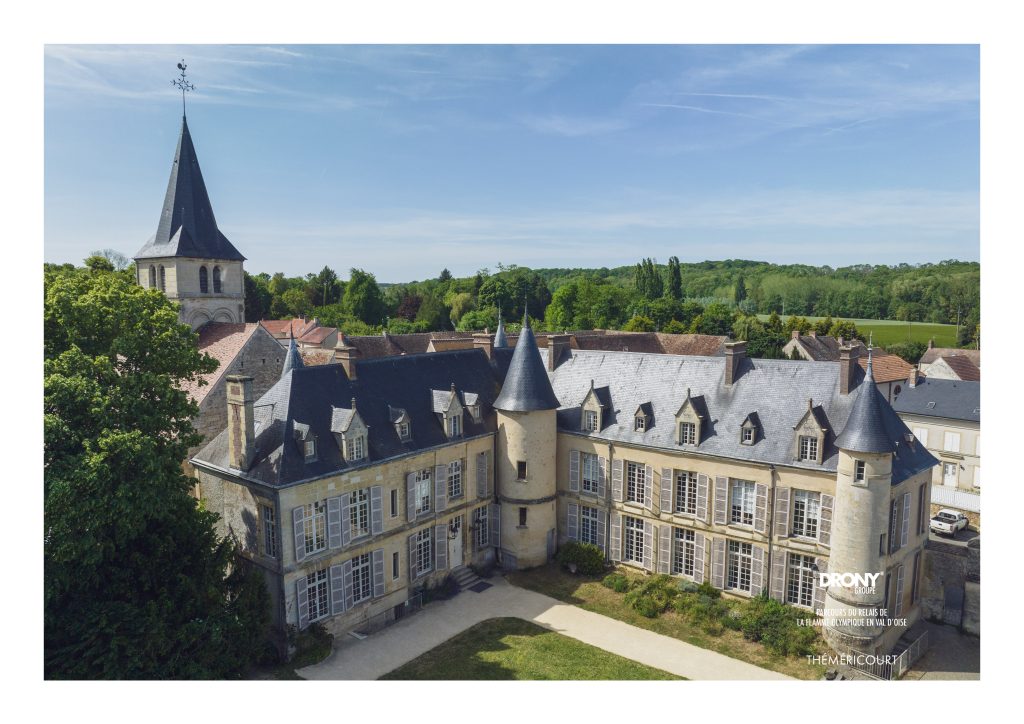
{"x":183,"y":84}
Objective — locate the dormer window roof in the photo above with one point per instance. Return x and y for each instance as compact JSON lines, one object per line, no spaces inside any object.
{"x":595,"y":408}
{"x":690,"y":419}
{"x":643,"y":418}
{"x":810,"y":433}
{"x":400,"y":419}
{"x":305,"y":439}
{"x":750,"y":429}
{"x":449,"y":408}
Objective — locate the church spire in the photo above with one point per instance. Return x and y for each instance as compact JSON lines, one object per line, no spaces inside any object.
{"x":526,"y":387}
{"x":293,"y":359}
{"x":500,"y":340}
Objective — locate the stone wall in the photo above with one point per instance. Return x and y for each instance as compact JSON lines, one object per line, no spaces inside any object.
{"x":949,"y":567}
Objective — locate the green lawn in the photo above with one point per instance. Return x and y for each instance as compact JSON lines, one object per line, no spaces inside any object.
{"x":511,"y":648}
{"x":589,"y":594}
{"x":887,"y":331}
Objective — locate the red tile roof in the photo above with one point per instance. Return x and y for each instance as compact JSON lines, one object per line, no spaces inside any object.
{"x":279,"y":327}
{"x":222,"y":341}
{"x":317,"y":335}
{"x":886,"y":367}
{"x":933,"y":353}
{"x":963,"y":366}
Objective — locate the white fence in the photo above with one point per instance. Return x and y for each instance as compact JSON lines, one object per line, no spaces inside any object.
{"x":956,"y":498}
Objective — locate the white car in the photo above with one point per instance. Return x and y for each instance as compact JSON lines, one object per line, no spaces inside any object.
{"x":948,"y":522}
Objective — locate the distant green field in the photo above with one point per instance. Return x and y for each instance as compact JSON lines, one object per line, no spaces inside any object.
{"x":887,"y":331}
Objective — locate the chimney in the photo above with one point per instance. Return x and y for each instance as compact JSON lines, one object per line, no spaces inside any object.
{"x":558,"y":344}
{"x":795,"y":334}
{"x":735,"y":352}
{"x":912,"y":379}
{"x":931,"y":343}
{"x":346,"y":356}
{"x":840,"y":341}
{"x":847,"y":367}
{"x":484,"y":341}
{"x":241,"y":426}
{"x":812,"y":334}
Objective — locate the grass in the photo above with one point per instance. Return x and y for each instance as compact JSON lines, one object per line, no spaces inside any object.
{"x":888,"y":331}
{"x":589,"y":594}
{"x":511,"y":648}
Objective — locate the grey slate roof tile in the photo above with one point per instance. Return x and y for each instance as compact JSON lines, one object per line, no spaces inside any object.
{"x":949,"y":399}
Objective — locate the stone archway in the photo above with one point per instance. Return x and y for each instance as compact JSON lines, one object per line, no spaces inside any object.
{"x":223,"y":315}
{"x":199,"y":318}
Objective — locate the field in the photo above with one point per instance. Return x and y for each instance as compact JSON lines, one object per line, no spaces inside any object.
{"x":511,"y":648}
{"x":887,"y":331}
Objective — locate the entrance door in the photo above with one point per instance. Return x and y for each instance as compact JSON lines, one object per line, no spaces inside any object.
{"x":455,"y":542}
{"x":949,"y":474}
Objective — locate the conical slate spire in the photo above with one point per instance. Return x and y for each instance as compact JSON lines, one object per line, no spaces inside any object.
{"x":293,"y":359}
{"x":865,"y":429}
{"x":187,"y":224}
{"x":500,"y":340}
{"x":526,"y":386}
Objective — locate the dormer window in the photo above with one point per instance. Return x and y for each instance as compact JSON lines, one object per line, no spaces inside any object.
{"x":749,"y":428}
{"x":350,"y":432}
{"x":454,"y":426}
{"x":404,"y":431}
{"x":355,"y":448}
{"x":590,"y":420}
{"x":687,"y":433}
{"x":306,"y":441}
{"x":641,"y":423}
{"x":808,"y":448}
{"x":643,"y":418}
{"x":689,"y":420}
{"x":449,"y":408}
{"x":810,"y":435}
{"x":592,"y":409}
{"x":309,"y":449}
{"x":748,"y":436}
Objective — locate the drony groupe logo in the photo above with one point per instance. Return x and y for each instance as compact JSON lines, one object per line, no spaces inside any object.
{"x":859,"y":582}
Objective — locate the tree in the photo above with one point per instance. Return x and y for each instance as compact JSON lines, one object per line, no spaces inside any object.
{"x":257,"y":298}
{"x":675,"y":279}
{"x":363,"y":299}
{"x":740,"y":291}
{"x":639,"y":324}
{"x":99,"y":263}
{"x":822,"y":326}
{"x":675,"y":327}
{"x":774,"y":323}
{"x":715,"y":319}
{"x":846,"y":329}
{"x":118,"y":261}
{"x":444,"y":276}
{"x":136,"y":581}
{"x":796,"y":324}
{"x":296,"y":302}
{"x":325,"y":287}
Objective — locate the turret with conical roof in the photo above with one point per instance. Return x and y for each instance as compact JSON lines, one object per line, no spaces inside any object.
{"x":500,"y":340}
{"x":292,"y":360}
{"x":865,"y":430}
{"x":526,"y":385}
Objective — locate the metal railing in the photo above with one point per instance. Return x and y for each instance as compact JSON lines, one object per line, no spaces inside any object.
{"x":956,"y":498}
{"x":889,"y":670}
{"x":384,"y":619}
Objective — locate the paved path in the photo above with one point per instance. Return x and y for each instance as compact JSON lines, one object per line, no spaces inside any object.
{"x":388,"y":649}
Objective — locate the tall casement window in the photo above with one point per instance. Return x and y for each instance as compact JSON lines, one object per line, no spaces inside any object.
{"x":423,"y":551}
{"x":740,"y":562}
{"x":362,"y":578}
{"x":858,"y":471}
{"x":483,"y":528}
{"x":683,"y":551}
{"x":806,"y":513}
{"x":590,"y":420}
{"x":591,"y":471}
{"x":309,"y":449}
{"x":454,"y":426}
{"x":152,"y":277}
{"x":633,"y":545}
{"x":741,"y":509}
{"x":686,"y":492}
{"x":588,"y":524}
{"x":314,"y":523}
{"x":316,"y":592}
{"x":394,"y":565}
{"x":687,"y":433}
{"x":355,"y":448}
{"x":634,"y":482}
{"x":808,"y":448}
{"x":423,"y":484}
{"x":216,"y":280}
{"x":522,"y":517}
{"x":269,"y":530}
{"x":894,"y":540}
{"x":394,"y":502}
{"x":455,"y":479}
{"x":521,"y":470}
{"x":204,"y":282}
{"x":800,"y":580}
{"x":359,"y":512}
{"x":163,"y":279}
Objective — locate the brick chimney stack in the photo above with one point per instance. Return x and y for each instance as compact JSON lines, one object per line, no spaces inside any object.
{"x":484,"y":341}
{"x":795,"y":334}
{"x":241,"y":424}
{"x":847,"y":367}
{"x":735,"y":352}
{"x":346,"y":356}
{"x":558,"y":345}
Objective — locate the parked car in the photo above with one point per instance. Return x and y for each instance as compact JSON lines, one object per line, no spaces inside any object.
{"x":948,"y":522}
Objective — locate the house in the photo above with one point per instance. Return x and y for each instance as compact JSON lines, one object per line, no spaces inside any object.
{"x":945,"y":416}
{"x":890,"y":371}
{"x":949,"y":363}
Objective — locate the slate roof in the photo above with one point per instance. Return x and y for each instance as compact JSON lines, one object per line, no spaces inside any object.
{"x":222,"y":341}
{"x":526,"y":386}
{"x":293,"y":359}
{"x":949,"y":399}
{"x":776,"y":389}
{"x":317,"y":335}
{"x":500,"y":340}
{"x":314,"y":396}
{"x":933,"y":353}
{"x":824,"y":348}
{"x":866,"y":429}
{"x":187,"y":226}
{"x":963,"y":367}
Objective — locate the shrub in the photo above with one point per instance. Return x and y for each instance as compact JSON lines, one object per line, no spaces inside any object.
{"x":777,"y":626}
{"x":311,"y":645}
{"x":688,"y":586}
{"x":652,"y":595}
{"x":587,"y":557}
{"x":706,"y":589}
{"x":616,"y":581}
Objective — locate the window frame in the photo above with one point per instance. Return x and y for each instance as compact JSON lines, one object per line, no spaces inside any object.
{"x":590,"y":484}
{"x":684,"y":552}
{"x":359,"y":511}
{"x":218,"y":284}
{"x":268,"y":517}
{"x":685,"y":502}
{"x":318,"y":601}
{"x":948,"y":438}
{"x":314,"y":526}
{"x":634,"y":482}
{"x":590,"y":421}
{"x":589,"y":521}
{"x":522,"y":471}
{"x":687,"y":432}
{"x":747,"y":436}
{"x":454,"y":426}
{"x":747,"y":502}
{"x":808,"y":448}
{"x":204,"y":281}
{"x":802,"y":588}
{"x":423,"y":488}
{"x":483,"y":528}
{"x":424,"y":551}
{"x":640,"y":423}
{"x":807,"y":516}
{"x":739,"y":565}
{"x":455,"y":487}
{"x":859,"y":471}
{"x":632,"y":539}
{"x":362,"y":578}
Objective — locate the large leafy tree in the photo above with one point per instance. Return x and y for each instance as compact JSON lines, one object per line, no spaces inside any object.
{"x":363,"y":299}
{"x":137,"y":583}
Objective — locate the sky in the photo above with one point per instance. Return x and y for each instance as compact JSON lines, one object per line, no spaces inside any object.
{"x":403,"y":160}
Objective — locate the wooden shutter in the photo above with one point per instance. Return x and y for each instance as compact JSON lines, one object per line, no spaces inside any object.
{"x":615,"y":542}
{"x":703,"y":483}
{"x":782,"y":512}
{"x":777,"y":587}
{"x":378,"y":573}
{"x":665,"y":549}
{"x":905,"y":531}
{"x":302,"y":602}
{"x":756,"y":570}
{"x":602,"y":474}
{"x":376,"y":510}
{"x":346,"y":571}
{"x":334,"y":511}
{"x":825,"y":524}
{"x":494,"y":521}
{"x":410,"y":497}
{"x":298,"y":527}
{"x":574,"y":471}
{"x":346,"y":519}
{"x":337,"y":577}
{"x":650,"y":533}
{"x":413,"y":568}
{"x":721,"y":500}
{"x":440,"y":547}
{"x":481,"y":475}
{"x":818,"y":600}
{"x":648,"y":486}
{"x":760,"y":508}
{"x":617,"y":480}
{"x":440,"y":487}
{"x":898,"y":603}
{"x":718,"y":562}
{"x":698,"y":558}
{"x":666,"y":490}
{"x":572,"y":522}
{"x":602,"y":518}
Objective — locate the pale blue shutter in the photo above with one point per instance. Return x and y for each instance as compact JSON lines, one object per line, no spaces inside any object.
{"x":778,"y":579}
{"x":702,"y":497}
{"x":481,"y":475}
{"x":905,"y":523}
{"x":346,"y":519}
{"x":757,"y":571}
{"x":378,"y":573}
{"x":718,"y":562}
{"x":721,"y":500}
{"x":665,"y":549}
{"x":648,"y":486}
{"x":298,"y":527}
{"x":337,"y":575}
{"x":615,"y":544}
{"x":602,"y":475}
{"x":825,"y":524}
{"x":781,"y":512}
{"x":574,"y":471}
{"x":760,"y":508}
{"x":494,"y":521}
{"x":302,"y":602}
{"x":698,"y":558}
{"x":413,"y":567}
{"x":898,"y":603}
{"x":440,"y":547}
{"x":650,"y":532}
{"x":346,"y":569}
{"x":819,"y":591}
{"x":602,"y":518}
{"x":617,"y":480}
{"x":334,"y":533}
{"x":376,"y":510}
{"x":440,"y":487}
{"x":410,"y":497}
{"x":666,"y":490}
{"x":572,"y":522}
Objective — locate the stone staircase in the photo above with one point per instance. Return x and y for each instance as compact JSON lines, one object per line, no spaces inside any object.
{"x":465,"y":577}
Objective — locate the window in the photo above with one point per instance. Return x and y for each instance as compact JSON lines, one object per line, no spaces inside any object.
{"x":422,"y":489}
{"x":269,"y":530}
{"x":687,"y":433}
{"x":355,"y":448}
{"x":359,"y":512}
{"x":423,"y":551}
{"x":800,"y":580}
{"x":858,"y":471}
{"x":915,"y":591}
{"x":314,"y":524}
{"x":316,"y":592}
{"x":163,"y":279}
{"x":521,"y":470}
{"x":309,"y":449}
{"x":590,"y":420}
{"x":686,"y":492}
{"x":588,"y":524}
{"x":403,"y":430}
{"x":748,"y":435}
{"x":808,"y":448}
{"x":922,"y":509}
{"x":216,"y":280}
{"x":454,"y":426}
{"x":394,"y":566}
{"x":742,"y":507}
{"x":522,"y":517}
{"x":152,"y":277}
{"x":741,"y":557}
{"x":483,"y":532}
{"x":641,"y":423}
{"x":204,"y":283}
{"x":894,"y":541}
{"x":455,"y":479}
{"x":362,"y":578}
{"x":633,"y":539}
{"x":806,"y":513}
{"x":951,"y":442}
{"x":881,"y":544}
{"x":683,"y":551}
{"x":921,"y":433}
{"x":591,"y":473}
{"x":898,"y":604}
{"x":394,"y":502}
{"x":634,"y":483}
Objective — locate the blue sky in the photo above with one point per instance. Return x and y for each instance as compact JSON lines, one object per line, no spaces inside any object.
{"x":402,"y":160}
